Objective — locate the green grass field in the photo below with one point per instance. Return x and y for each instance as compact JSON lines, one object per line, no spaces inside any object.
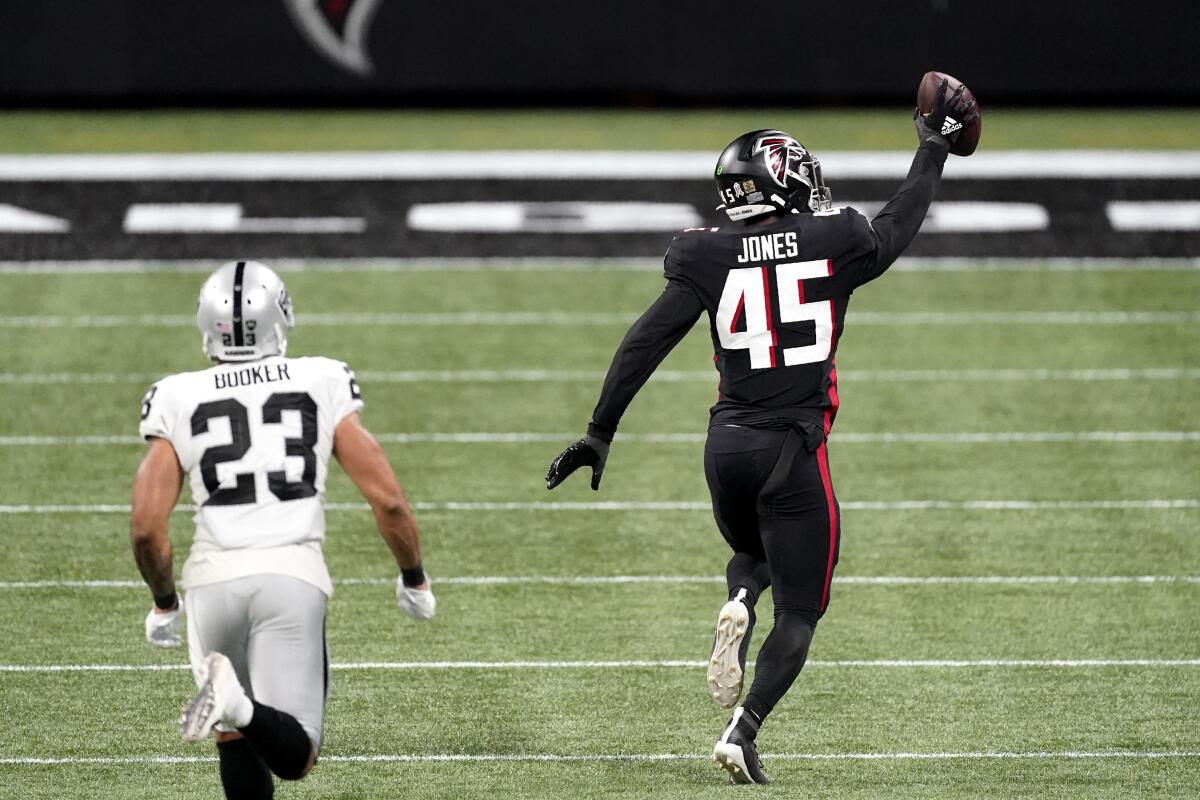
{"x":841,"y":731}
{"x":953,"y":662}
{"x":820,"y":129}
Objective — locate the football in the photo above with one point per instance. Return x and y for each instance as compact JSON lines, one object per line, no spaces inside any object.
{"x":968,"y":138}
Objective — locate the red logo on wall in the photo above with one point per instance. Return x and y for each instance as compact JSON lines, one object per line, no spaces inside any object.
{"x":337,"y":29}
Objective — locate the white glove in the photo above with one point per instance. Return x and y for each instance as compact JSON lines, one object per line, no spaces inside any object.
{"x":162,"y":627}
{"x":417,"y":603}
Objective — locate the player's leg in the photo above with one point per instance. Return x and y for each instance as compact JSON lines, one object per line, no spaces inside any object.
{"x":747,"y":574}
{"x":243,"y":774}
{"x":289,"y":672}
{"x":801,"y":530}
{"x":218,"y":628}
{"x":736,"y":461}
{"x":800,"y":527}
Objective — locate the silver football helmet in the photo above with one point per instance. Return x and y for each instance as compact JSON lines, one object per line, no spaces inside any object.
{"x":244,"y":312}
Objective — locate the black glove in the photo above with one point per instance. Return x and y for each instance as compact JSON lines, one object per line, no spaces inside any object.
{"x":931,"y":125}
{"x":587,"y":452}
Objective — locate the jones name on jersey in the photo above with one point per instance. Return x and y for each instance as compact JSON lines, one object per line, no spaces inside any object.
{"x":255,"y":441}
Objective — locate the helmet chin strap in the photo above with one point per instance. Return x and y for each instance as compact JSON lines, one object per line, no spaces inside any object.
{"x":795,"y":204}
{"x":281,"y":338}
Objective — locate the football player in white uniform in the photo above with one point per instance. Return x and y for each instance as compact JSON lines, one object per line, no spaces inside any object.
{"x":253,"y":435}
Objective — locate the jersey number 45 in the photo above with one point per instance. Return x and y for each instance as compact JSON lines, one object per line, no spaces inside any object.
{"x":747,"y":293}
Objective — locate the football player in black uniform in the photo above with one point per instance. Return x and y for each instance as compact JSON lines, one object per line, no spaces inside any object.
{"x":775,"y":287}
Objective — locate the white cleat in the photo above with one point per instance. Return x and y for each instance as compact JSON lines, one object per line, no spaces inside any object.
{"x":726,"y":668}
{"x":738,"y":754}
{"x":219,"y":695}
{"x":733,"y":761}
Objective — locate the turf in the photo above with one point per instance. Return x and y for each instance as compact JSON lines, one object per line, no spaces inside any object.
{"x":540,"y":129}
{"x":626,"y":711}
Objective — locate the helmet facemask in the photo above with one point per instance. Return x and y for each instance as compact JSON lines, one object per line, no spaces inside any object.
{"x":817,"y":197}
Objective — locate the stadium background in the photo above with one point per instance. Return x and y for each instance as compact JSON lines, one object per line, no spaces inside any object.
{"x":1017,"y":458}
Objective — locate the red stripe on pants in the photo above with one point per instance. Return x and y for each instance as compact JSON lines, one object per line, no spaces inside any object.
{"x":827,"y":483}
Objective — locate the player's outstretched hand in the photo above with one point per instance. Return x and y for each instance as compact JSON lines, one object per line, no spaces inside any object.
{"x":416,"y":601}
{"x":587,"y":452}
{"x":162,"y":627}
{"x":929,"y":126}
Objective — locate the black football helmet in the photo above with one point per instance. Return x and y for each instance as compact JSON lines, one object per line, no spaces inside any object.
{"x":767,"y":172}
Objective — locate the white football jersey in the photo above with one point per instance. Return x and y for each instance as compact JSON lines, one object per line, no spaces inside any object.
{"x":255,"y":439}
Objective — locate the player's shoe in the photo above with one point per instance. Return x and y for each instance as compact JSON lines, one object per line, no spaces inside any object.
{"x":727,"y":664}
{"x":219,"y":695}
{"x":736,"y":752}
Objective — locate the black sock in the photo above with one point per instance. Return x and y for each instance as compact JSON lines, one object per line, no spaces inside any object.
{"x":243,"y":773}
{"x":747,"y":572}
{"x":279,"y":740}
{"x":779,"y":662}
{"x":749,"y":723}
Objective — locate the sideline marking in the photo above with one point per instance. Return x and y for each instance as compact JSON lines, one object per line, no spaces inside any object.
{"x":139,"y":266}
{"x":227,"y":218}
{"x":444,"y":758}
{"x":575,"y":216}
{"x":606,"y":318}
{"x":677,"y":505}
{"x":661,"y":376}
{"x":1001,"y":437}
{"x":605,"y":580}
{"x":1167,"y":215}
{"x":14,"y":219}
{"x":568,"y":165}
{"x":389,"y":666}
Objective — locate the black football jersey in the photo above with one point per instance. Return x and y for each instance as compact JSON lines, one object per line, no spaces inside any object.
{"x":776,"y":297}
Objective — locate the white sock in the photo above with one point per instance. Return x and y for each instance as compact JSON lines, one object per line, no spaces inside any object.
{"x":240,"y":710}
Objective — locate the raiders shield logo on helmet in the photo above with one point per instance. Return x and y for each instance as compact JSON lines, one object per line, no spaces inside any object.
{"x":778,"y":154}
{"x":337,"y":29}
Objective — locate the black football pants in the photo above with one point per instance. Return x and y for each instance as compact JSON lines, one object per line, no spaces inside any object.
{"x":773,"y":501}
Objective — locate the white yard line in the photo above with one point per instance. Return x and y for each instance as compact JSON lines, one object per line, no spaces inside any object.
{"x":623,"y":580}
{"x":348,"y":319}
{"x":138,"y":266}
{"x":708,"y":377}
{"x":1048,"y":264}
{"x":67,"y":441}
{"x":678,"y":505}
{"x":569,"y":165}
{"x":927,"y":318}
{"x":1015,"y":436}
{"x":556,"y":318}
{"x":999,"y":437}
{"x":568,"y":264}
{"x":1016,"y":505}
{"x":404,"y":666}
{"x":455,"y":758}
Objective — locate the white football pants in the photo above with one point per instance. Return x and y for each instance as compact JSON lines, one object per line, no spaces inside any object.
{"x":272,"y":627}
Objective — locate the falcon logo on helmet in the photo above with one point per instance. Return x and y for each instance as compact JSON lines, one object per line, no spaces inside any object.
{"x":778,"y":153}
